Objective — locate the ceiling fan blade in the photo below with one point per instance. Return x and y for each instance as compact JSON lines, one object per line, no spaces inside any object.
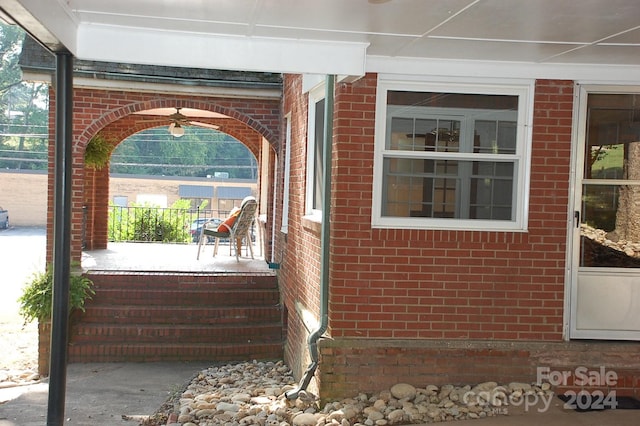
{"x":205,"y":125}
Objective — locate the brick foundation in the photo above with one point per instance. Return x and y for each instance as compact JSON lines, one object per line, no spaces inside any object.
{"x":351,"y":366}
{"x":44,"y":347}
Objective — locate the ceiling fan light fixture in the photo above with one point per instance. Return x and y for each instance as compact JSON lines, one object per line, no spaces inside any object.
{"x":176,"y":130}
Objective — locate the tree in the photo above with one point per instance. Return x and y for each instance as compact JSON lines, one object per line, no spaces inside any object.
{"x":23,"y":108}
{"x":24,"y":132}
{"x":200,"y":152}
{"x":11,"y":37}
{"x":628,"y":212}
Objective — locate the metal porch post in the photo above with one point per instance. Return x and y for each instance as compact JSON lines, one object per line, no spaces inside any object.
{"x":61,"y":238}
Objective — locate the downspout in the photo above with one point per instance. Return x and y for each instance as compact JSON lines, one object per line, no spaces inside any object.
{"x":61,"y":238}
{"x":324,"y":242}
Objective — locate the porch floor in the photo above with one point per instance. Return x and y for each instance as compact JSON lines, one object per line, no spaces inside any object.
{"x":158,"y":257}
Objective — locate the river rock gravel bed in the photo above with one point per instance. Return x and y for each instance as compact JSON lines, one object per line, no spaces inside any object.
{"x":254,"y":393}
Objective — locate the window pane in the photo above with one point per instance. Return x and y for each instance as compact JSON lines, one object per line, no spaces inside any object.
{"x":450,"y":155}
{"x":418,"y":134}
{"x":507,"y":135}
{"x":494,"y":137}
{"x":452,"y":100}
{"x":318,"y":162}
{"x":610,"y":229}
{"x":415,"y":134}
{"x":610,"y":226}
{"x":424,"y":188}
{"x":435,"y":188}
{"x":613,"y":139}
{"x":491,"y":194}
{"x":445,"y":137}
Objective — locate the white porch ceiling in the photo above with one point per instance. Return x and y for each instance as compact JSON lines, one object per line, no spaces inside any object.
{"x":346,"y":37}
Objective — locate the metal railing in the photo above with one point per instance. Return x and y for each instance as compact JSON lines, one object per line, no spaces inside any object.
{"x":156,"y":224}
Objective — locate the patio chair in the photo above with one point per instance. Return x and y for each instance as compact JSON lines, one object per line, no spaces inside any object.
{"x":235,"y":230}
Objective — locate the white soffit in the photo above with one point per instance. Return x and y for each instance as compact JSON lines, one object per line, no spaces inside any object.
{"x":456,"y":69}
{"x":195,"y":50}
{"x":344,"y":37}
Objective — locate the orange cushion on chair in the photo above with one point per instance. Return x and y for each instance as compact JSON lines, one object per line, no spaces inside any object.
{"x":228,"y":222}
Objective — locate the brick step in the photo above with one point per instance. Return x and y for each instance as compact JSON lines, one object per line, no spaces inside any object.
{"x":151,"y":352}
{"x":210,"y":297}
{"x":155,"y":316}
{"x":136,"y":314}
{"x":182,"y":281}
{"x":126,"y":334}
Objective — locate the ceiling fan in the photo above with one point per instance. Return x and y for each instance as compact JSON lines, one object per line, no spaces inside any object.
{"x":178,"y":120}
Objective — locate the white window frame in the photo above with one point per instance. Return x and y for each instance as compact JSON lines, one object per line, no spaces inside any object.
{"x":287,"y":175}
{"x":315,"y":96}
{"x":522,"y":156}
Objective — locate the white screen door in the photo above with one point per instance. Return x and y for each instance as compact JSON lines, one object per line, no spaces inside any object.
{"x":605,"y":292}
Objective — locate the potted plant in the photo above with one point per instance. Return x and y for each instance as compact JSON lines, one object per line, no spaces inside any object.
{"x":36,"y":304}
{"x":97,"y":152}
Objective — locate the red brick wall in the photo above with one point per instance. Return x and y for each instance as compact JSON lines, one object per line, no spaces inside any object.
{"x":351,"y":366}
{"x":394,"y":283}
{"x":111,"y":112}
{"x":402,"y":285}
{"x":97,"y":205}
{"x":77,"y":189}
{"x":297,"y":252}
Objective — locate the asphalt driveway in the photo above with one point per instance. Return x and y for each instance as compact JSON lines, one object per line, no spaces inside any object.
{"x":22,"y":253}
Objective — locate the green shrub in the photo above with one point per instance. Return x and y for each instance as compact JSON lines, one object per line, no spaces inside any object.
{"x":150,"y":223}
{"x":37,"y":296}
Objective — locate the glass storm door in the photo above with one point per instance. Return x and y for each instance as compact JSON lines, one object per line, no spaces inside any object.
{"x":605,"y":296}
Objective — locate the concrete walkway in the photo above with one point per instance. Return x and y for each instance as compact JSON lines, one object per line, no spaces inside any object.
{"x":124,"y":394}
{"x":100,"y":394}
{"x":556,"y":415}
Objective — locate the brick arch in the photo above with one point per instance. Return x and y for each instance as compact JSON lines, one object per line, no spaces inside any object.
{"x":112,"y":111}
{"x":239,"y":125}
{"x":129,"y":125}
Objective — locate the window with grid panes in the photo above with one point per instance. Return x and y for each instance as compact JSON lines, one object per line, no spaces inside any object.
{"x":450,"y":159}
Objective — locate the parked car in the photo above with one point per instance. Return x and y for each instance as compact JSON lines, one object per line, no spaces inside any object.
{"x":4,"y":218}
{"x":196,"y":228}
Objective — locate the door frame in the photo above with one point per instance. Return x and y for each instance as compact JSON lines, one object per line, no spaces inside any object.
{"x":581,"y":93}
